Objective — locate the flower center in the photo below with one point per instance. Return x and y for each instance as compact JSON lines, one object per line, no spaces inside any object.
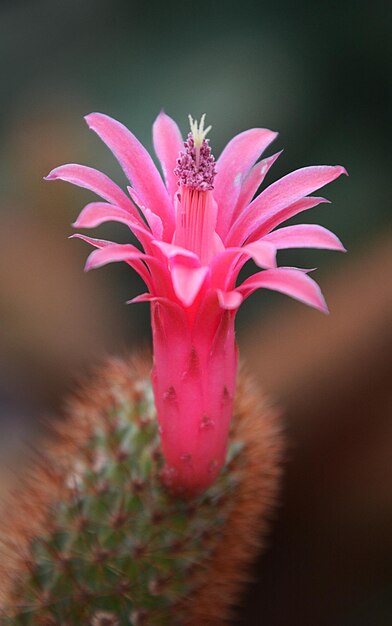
{"x":196,"y":165}
{"x":196,"y":208}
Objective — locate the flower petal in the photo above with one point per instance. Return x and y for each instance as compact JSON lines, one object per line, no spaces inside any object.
{"x":96,"y":181}
{"x":134,"y":260}
{"x":112,"y":254}
{"x":223,"y":268}
{"x":273,"y":219}
{"x":153,"y":220}
{"x":279,"y":195}
{"x":97,"y":243}
{"x":149,"y":297}
{"x":291,"y":282}
{"x":137,"y":165}
{"x":187,"y":281}
{"x":230,"y":300}
{"x":143,"y":297}
{"x":262,"y":252}
{"x":167,"y":144}
{"x":172,"y":251}
{"x":304,"y":236}
{"x":232,"y":167}
{"x":226,"y":265}
{"x":253,"y":181}
{"x":97,"y":213}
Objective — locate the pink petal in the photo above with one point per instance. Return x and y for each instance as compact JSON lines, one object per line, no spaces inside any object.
{"x":143,"y":297}
{"x":232,"y":167}
{"x":273,"y":219}
{"x":291,"y":282}
{"x":304,"y":236}
{"x":279,"y":195}
{"x":153,"y":220}
{"x":95,"y":181}
{"x":226,"y":265}
{"x":262,"y":252}
{"x":135,"y":263}
{"x":253,"y":182}
{"x":112,"y":254}
{"x":149,"y":297}
{"x":187,"y":281}
{"x":97,"y":213}
{"x":97,"y":243}
{"x":167,"y":144}
{"x":172,"y":251}
{"x":137,"y":165}
{"x":230,"y":300}
{"x":223,"y":268}
{"x":108,"y":252}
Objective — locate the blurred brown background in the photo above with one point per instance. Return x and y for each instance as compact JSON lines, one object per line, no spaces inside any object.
{"x":320,"y":73}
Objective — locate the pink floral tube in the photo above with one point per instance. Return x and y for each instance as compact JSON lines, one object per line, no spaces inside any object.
{"x":197,"y":228}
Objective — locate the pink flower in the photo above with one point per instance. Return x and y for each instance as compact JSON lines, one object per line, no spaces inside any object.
{"x":197,"y":229}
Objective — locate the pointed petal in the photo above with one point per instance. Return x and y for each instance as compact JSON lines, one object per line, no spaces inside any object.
{"x":154,"y":222}
{"x":96,"y":181}
{"x":187,"y":281}
{"x":230,"y":300}
{"x":291,"y":282}
{"x":97,"y":213}
{"x":167,"y":144}
{"x":137,"y":165}
{"x":104,"y":246}
{"x":232,"y":167}
{"x":223,"y":268}
{"x":143,"y":297}
{"x":262,"y":252}
{"x":275,"y":219}
{"x":304,"y":236}
{"x":253,"y":182}
{"x":172,"y":251}
{"x":97,"y":243}
{"x":112,"y":254}
{"x":280,"y":195}
{"x":226,"y":265}
{"x":150,"y":297}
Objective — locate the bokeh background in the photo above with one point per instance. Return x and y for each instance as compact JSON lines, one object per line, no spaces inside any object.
{"x":318,"y":72}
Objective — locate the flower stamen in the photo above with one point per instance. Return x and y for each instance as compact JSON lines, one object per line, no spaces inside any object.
{"x":196,"y":165}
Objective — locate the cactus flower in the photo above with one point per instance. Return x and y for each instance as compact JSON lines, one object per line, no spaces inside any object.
{"x":197,"y":227}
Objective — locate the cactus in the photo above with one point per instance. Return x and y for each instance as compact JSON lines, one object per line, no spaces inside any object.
{"x":90,"y":535}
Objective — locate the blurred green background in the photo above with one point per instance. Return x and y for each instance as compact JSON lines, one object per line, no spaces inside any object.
{"x":320,"y":74}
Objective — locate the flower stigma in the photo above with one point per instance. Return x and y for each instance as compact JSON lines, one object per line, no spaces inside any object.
{"x":199,"y":133}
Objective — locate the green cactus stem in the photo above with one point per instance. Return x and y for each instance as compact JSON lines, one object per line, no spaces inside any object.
{"x":89,"y":534}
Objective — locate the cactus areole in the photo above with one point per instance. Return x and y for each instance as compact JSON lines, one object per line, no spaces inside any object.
{"x":197,"y":228}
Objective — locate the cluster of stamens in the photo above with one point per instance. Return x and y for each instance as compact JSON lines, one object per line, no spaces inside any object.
{"x":196,"y":165}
